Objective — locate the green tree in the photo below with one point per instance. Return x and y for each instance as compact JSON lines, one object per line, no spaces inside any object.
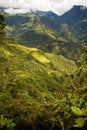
{"x":2,"y":28}
{"x":80,"y":85}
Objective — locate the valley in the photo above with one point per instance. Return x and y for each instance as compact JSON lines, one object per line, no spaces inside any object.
{"x":50,"y":32}
{"x":43,"y":70}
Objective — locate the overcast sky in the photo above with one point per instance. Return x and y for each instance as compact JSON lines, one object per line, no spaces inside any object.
{"x":57,"y":6}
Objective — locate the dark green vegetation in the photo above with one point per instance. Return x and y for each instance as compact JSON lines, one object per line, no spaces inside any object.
{"x":2,"y":27}
{"x":38,"y":90}
{"x":41,"y":91}
{"x":76,"y":19}
{"x":49,"y":32}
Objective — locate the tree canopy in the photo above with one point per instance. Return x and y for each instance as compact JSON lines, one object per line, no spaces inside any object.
{"x":2,"y":27}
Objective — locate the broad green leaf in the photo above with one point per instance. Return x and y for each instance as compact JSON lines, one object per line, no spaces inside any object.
{"x":80,"y":122}
{"x":77,"y":111}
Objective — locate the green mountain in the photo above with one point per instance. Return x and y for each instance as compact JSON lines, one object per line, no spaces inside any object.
{"x":40,"y":91}
{"x":33,"y":70}
{"x":74,"y":15}
{"x":81,"y":29}
{"x":76,"y":19}
{"x":42,"y":32}
{"x":49,"y":32}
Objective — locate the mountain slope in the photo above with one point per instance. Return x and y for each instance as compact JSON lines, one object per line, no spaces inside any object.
{"x":43,"y":32}
{"x":35,"y":72}
{"x":41,"y":91}
{"x":51,"y":33}
{"x":74,"y":15}
{"x":81,"y":30}
{"x":76,"y":19}
{"x":36,"y":87}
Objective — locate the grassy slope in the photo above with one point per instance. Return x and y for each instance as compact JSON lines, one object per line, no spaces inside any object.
{"x":31,"y":73}
{"x":44,"y":33}
{"x":81,"y":29}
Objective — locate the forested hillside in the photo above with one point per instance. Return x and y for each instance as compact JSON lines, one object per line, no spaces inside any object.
{"x":49,"y":32}
{"x":42,"y":32}
{"x":38,"y":90}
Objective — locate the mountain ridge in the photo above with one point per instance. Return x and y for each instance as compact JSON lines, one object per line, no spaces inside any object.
{"x":75,"y":14}
{"x":39,"y":90}
{"x":44,"y":30}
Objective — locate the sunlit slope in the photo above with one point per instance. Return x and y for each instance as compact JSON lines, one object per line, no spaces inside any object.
{"x":43,"y":32}
{"x":32,"y":73}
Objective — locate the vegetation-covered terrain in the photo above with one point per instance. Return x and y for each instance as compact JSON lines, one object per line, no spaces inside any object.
{"x":40,"y":91}
{"x":50,"y":32}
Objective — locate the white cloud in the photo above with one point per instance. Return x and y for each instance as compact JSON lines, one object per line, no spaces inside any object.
{"x":58,"y":6}
{"x":15,"y":11}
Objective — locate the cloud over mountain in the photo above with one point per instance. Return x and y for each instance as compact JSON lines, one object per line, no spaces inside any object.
{"x":58,"y":6}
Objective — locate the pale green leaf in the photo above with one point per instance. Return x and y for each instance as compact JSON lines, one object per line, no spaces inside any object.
{"x":80,"y":122}
{"x":77,"y":111}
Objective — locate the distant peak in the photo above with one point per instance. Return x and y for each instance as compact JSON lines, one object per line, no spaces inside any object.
{"x":80,"y":6}
{"x":45,"y":13}
{"x":83,"y":7}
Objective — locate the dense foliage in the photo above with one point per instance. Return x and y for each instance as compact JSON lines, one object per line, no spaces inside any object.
{"x":2,"y":27}
{"x":41,"y":91}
